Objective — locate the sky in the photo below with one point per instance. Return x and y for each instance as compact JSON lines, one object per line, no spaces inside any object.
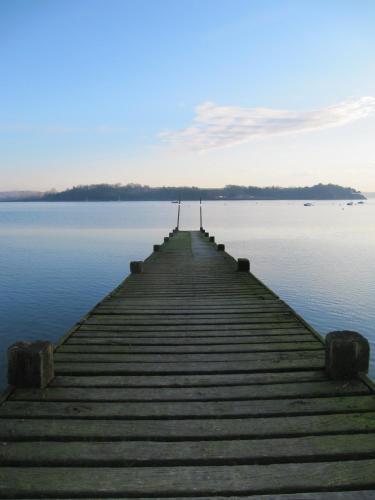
{"x":187,"y":92}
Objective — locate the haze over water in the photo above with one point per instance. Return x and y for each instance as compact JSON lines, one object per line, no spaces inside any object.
{"x":57,"y":260}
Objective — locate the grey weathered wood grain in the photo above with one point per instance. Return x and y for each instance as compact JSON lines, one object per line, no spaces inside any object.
{"x":218,"y":393}
{"x":226,"y":379}
{"x":192,"y":409}
{"x":29,"y":429}
{"x":146,"y":453}
{"x":227,"y":480}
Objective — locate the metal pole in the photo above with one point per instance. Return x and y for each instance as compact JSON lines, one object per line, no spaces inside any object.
{"x":178,"y":214}
{"x":200,"y":212}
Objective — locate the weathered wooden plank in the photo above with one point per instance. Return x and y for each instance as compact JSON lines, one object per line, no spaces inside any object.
{"x":192,"y":409}
{"x":178,"y":430}
{"x":216,"y":329}
{"x":200,"y":303}
{"x":132,"y":313}
{"x":210,"y":349}
{"x":187,"y":358}
{"x":226,"y":393}
{"x":185,"y":322}
{"x":186,"y":342}
{"x":306,"y":360}
{"x":169,"y":481}
{"x":146,"y":453}
{"x":226,"y":379}
{"x":316,"y":495}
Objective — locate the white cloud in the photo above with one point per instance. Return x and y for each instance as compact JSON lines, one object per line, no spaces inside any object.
{"x":225,"y":126}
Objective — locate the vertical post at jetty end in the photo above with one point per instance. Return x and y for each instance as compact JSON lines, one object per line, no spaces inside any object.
{"x":200,"y":214}
{"x":30,"y":364}
{"x":178,"y":214}
{"x":347,"y":355}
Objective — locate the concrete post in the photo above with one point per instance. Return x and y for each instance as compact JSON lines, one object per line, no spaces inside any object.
{"x":347,"y":354}
{"x":30,"y":364}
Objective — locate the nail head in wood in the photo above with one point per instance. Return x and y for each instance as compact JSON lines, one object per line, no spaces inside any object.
{"x":212,"y":239}
{"x":243,"y":265}
{"x":136,"y":267}
{"x":220,"y":247}
{"x":30,"y":364}
{"x":156,"y":248}
{"x":347,"y":354}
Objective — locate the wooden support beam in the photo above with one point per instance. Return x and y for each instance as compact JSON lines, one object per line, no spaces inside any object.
{"x":136,"y":267}
{"x":347,"y":355}
{"x":30,"y":364}
{"x":243,"y":265}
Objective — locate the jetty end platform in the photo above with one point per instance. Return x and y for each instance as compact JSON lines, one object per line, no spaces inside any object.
{"x":192,"y":379}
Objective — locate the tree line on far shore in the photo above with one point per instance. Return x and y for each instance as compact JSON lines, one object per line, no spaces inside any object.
{"x":138,"y":192}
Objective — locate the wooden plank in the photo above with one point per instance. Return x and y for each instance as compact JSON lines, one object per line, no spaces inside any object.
{"x":214,"y":329}
{"x":178,"y":430}
{"x":131,"y":312}
{"x":316,"y":495}
{"x":183,"y":342}
{"x":184,"y":349}
{"x":168,"y":481}
{"x":218,"y":393}
{"x":192,"y":409}
{"x":222,"y":380}
{"x":146,"y":453}
{"x":169,"y":321}
{"x":306,"y":360}
{"x":184,"y":359}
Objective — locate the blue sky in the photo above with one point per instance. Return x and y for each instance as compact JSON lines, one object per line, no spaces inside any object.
{"x":186,"y":92}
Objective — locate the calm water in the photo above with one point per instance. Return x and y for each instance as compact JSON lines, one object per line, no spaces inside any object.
{"x":58,"y":259}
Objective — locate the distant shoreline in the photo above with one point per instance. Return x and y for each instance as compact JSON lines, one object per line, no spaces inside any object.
{"x":185,"y":200}
{"x":138,"y":192}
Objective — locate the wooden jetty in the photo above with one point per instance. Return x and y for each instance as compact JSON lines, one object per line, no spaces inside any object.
{"x":191,"y":379}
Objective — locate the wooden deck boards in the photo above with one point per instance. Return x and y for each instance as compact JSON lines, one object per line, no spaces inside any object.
{"x":190,"y":380}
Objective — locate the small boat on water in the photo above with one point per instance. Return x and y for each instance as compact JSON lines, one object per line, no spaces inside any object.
{"x":308,"y":205}
{"x":175,"y":201}
{"x":350,"y":203}
{"x":361,"y":203}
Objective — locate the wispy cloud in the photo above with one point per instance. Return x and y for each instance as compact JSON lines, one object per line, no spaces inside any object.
{"x":225,"y":126}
